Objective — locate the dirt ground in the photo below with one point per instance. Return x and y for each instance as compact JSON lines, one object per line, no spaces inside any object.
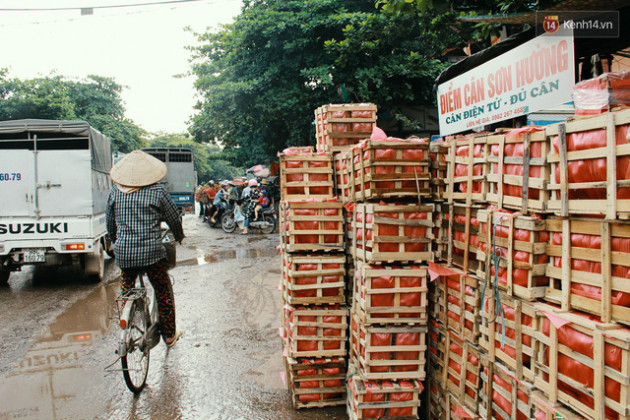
{"x":58,"y":336}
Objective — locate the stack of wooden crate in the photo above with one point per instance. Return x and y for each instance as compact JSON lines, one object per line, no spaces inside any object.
{"x":546,"y":241}
{"x":386,"y":185}
{"x":314,"y":311}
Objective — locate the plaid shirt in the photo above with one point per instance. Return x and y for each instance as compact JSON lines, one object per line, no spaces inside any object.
{"x":133,"y":224}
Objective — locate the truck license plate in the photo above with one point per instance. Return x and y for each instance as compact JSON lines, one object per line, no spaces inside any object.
{"x":34,"y":256}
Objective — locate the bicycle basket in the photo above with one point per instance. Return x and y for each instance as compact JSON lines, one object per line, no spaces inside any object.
{"x":171,"y":249}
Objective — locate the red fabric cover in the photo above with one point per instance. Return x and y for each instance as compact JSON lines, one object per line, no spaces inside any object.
{"x":334,"y":291}
{"x":313,"y":225}
{"x":462,"y":169}
{"x":385,"y":229}
{"x":593,"y":170}
{"x":519,"y":275}
{"x":334,"y":383}
{"x":388,"y":299}
{"x":505,"y":404}
{"x":373,"y":397}
{"x":452,"y":282}
{"x":583,"y":344}
{"x":595,"y":242}
{"x":400,"y":396}
{"x":470,"y":376}
{"x":387,"y":340}
{"x":595,"y":96}
{"x":383,"y":153}
{"x":292,"y":164}
{"x":304,"y":331}
{"x":516,"y":149}
{"x":510,"y":314}
{"x":460,"y":236}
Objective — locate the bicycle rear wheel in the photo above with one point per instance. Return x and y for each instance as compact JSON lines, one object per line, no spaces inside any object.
{"x":135,"y":362}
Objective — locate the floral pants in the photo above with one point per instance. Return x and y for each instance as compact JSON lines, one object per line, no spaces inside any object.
{"x":158,"y":276}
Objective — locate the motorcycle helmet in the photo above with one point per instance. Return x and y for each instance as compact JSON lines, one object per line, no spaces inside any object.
{"x":252,"y":183}
{"x":225,"y":183}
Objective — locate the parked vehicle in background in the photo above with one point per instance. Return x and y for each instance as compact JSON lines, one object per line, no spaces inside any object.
{"x":54,"y":183}
{"x":181,"y":178}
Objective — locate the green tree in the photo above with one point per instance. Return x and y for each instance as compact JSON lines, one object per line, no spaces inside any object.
{"x":261,"y":78}
{"x":96,"y":100}
{"x":44,"y":97}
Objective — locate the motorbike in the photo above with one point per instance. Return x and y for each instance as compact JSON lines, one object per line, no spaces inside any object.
{"x":266,"y":221}
{"x":218,"y":218}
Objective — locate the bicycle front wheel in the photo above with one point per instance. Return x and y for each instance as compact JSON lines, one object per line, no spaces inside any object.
{"x":135,"y":362}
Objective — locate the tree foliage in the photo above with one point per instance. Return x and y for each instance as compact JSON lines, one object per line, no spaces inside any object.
{"x":210,"y":163}
{"x":261,"y":78}
{"x":95,"y":100}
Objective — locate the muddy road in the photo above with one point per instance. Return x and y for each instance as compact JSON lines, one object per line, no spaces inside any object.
{"x":58,"y":336}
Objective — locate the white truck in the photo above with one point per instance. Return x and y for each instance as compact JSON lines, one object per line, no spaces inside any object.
{"x":54,"y":184}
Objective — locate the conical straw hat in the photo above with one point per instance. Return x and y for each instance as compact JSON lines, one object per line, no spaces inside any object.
{"x":138,"y":169}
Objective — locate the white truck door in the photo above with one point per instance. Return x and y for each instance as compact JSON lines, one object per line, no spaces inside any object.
{"x":17,"y":182}
{"x":64,"y":179}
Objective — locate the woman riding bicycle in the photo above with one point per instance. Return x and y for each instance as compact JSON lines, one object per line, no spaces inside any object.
{"x":136,"y":206}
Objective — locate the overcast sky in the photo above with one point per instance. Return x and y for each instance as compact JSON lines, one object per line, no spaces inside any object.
{"x":141,"y":47}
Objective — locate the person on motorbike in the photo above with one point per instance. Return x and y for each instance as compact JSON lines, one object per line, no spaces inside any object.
{"x":250,"y":201}
{"x":233,"y":194}
{"x":137,"y":204}
{"x":220,"y":200}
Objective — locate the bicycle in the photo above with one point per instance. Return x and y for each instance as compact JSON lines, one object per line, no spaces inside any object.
{"x":139,"y":321}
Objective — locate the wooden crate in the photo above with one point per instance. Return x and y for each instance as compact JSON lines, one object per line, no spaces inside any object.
{"x":311,"y":226}
{"x":398,"y":232}
{"x":459,"y":304}
{"x":344,"y":190}
{"x":436,"y":396}
{"x":456,"y":410}
{"x":440,"y":231}
{"x":584,"y":364}
{"x":340,"y":126}
{"x":438,"y":151}
{"x":462,"y":375}
{"x":609,"y":196}
{"x":437,"y":301}
{"x":390,"y":294}
{"x":316,"y":382}
{"x":572,"y":285}
{"x":315,"y":331}
{"x":437,"y":350}
{"x":499,"y":390}
{"x":305,"y":175}
{"x":463,"y":239}
{"x":522,"y":242}
{"x":519,"y":171}
{"x":383,"y":352}
{"x":545,"y":410}
{"x":314,"y":279}
{"x":510,"y":338}
{"x":392,"y":168}
{"x":468,"y":165}
{"x":394,"y":400}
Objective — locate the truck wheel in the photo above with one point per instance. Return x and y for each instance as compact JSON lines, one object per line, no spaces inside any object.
{"x":4,"y":276}
{"x":109,"y":247}
{"x":94,"y":264}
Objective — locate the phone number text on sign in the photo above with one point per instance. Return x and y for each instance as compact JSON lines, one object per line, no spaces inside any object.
{"x":13,"y":176}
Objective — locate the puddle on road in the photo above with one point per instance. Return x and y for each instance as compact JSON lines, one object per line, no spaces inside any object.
{"x":230,"y":254}
{"x":52,"y":375}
